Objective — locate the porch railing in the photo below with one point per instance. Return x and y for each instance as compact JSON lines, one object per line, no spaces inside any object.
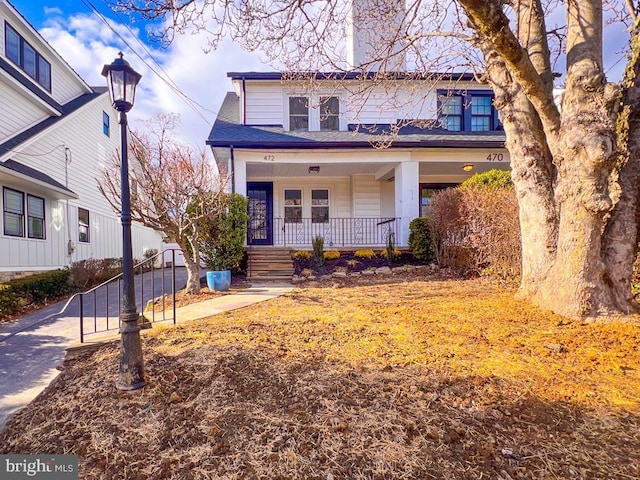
{"x":337,"y":232}
{"x":99,"y":308}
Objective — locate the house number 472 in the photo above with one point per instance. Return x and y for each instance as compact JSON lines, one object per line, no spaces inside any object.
{"x":495,"y":157}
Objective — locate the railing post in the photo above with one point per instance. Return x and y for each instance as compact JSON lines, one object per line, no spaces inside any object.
{"x":81,"y":318}
{"x":173,"y":278}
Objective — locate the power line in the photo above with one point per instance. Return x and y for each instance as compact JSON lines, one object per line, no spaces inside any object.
{"x":191,"y":103}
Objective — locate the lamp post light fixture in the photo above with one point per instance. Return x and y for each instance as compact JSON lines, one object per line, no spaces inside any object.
{"x":122,"y":81}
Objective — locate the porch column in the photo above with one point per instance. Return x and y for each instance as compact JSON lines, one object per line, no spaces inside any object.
{"x":407,"y":179}
{"x":240,"y":176}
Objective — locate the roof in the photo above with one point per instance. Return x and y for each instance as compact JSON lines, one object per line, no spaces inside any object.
{"x":37,"y":175}
{"x":353,"y":75}
{"x":66,"y":109}
{"x":227,"y":131}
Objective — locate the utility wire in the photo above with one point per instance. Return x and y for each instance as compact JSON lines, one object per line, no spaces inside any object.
{"x":177,"y":90}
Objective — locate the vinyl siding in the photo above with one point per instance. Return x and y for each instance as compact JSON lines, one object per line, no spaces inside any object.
{"x":19,"y":113}
{"x":366,"y":196}
{"x":264,"y":105}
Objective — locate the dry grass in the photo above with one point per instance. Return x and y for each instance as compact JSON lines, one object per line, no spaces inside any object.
{"x":412,"y":379}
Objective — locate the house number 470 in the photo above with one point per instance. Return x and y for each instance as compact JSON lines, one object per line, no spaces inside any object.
{"x":495,"y":157}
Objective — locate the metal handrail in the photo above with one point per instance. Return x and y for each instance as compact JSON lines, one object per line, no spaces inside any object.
{"x":149,"y":261}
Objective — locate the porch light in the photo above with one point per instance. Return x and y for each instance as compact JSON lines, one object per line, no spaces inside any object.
{"x":122,"y":81}
{"x":467,"y":167}
{"x":314,"y":169}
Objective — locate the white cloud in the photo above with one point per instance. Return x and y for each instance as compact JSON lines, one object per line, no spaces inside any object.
{"x":86,"y":43}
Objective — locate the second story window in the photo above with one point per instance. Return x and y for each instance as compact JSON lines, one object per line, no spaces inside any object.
{"x":298,"y":113}
{"x":20,"y":52}
{"x":451,"y":113}
{"x":469,"y":111}
{"x":329,"y":113}
{"x":106,"y":124}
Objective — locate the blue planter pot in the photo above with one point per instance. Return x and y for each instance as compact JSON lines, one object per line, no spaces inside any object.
{"x":219,"y":281}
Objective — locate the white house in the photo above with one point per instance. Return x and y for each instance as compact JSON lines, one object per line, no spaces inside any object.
{"x":55,"y":134}
{"x":351,"y":155}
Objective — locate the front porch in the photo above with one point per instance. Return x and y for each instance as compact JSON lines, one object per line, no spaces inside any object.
{"x":336,"y":232}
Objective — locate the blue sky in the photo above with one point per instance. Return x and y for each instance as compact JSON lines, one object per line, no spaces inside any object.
{"x":87,"y":44}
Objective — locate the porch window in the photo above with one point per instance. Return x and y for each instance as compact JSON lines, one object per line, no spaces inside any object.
{"x":427,"y":190}
{"x":83,"y":225}
{"x":298,"y":113}
{"x":481,"y":113}
{"x":319,"y":206}
{"x":35,"y":217}
{"x":451,"y":113}
{"x":293,"y":206}
{"x":329,"y":113}
{"x":13,"y":212}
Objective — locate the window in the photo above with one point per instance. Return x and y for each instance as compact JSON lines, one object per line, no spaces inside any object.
{"x":298,"y":113}
{"x":83,"y":225}
{"x":106,"y":124}
{"x":35,"y":217}
{"x":329,"y":113}
{"x":481,"y":113}
{"x":451,"y":113}
{"x":293,"y":206}
{"x":469,"y":111}
{"x":26,"y":57}
{"x":319,"y":206}
{"x":13,"y":213}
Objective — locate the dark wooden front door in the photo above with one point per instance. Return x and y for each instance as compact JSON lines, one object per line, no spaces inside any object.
{"x":260,"y":230}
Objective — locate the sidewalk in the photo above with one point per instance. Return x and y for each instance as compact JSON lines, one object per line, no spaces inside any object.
{"x":31,"y":348}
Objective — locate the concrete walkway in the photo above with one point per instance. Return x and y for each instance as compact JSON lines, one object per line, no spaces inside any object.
{"x":32,"y":347}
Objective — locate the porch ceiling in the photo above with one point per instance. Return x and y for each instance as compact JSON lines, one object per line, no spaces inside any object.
{"x":271,"y":170}
{"x":284,"y":170}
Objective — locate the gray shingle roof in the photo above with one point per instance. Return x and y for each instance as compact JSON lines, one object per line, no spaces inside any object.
{"x":35,"y":174}
{"x":227,"y":131}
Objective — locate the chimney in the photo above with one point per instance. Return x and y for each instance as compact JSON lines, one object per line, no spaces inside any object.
{"x":375,"y":31}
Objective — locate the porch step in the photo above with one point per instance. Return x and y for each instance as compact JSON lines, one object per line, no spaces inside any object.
{"x":270,"y":263}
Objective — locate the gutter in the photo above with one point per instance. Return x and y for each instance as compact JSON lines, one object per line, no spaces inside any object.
{"x":233,"y":169}
{"x":244,"y":101}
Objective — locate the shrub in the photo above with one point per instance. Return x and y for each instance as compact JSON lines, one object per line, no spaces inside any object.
{"x":302,"y":255}
{"x":37,"y":288}
{"x":420,"y":241}
{"x":93,"y":271}
{"x":490,"y":179}
{"x":395,"y":253}
{"x":341,"y":269}
{"x":367,"y":254}
{"x":307,"y":272}
{"x":318,"y":250}
{"x":331,"y":255}
{"x":448,"y":229}
{"x":224,"y":233}
{"x":353,"y":263}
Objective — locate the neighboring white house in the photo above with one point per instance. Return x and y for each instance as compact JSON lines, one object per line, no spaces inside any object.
{"x":55,"y":134}
{"x":349,"y":156}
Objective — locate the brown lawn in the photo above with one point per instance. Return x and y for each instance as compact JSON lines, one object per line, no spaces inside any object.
{"x":416,"y":378}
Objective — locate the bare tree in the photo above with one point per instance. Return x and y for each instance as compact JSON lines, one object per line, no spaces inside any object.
{"x":575,"y":165}
{"x":173,"y":189}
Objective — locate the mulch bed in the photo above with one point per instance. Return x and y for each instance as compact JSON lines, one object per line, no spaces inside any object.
{"x":406,"y":377}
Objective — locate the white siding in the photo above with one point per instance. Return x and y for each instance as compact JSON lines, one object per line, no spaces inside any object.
{"x":19,"y":113}
{"x":373,"y":107}
{"x":366,"y":196}
{"x":264,"y":104}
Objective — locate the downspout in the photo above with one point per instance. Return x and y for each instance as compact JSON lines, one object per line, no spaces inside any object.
{"x":233,"y":169}
{"x":244,"y":101}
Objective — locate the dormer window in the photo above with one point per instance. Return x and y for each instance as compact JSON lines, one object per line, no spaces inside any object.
{"x":470,"y":111}
{"x":20,"y":52}
{"x":298,"y":113}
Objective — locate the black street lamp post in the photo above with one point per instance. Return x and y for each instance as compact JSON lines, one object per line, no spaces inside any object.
{"x":122,"y":81}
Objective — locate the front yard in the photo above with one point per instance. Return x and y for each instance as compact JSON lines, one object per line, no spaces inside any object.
{"x":411,"y":377}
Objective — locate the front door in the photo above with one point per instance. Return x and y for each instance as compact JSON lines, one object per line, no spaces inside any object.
{"x":260,"y":229}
